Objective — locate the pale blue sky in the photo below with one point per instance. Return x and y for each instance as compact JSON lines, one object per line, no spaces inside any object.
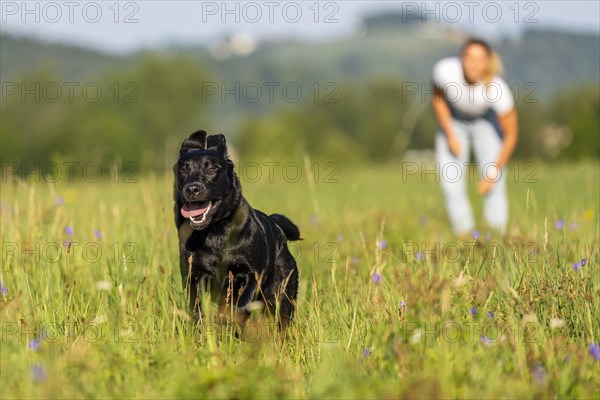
{"x":156,"y":23}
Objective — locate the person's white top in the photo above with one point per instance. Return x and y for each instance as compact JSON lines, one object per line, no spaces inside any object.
{"x":473,"y":100}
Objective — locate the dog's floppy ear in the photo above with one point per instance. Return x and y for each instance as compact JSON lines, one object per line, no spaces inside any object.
{"x":217,"y":143}
{"x":196,"y":141}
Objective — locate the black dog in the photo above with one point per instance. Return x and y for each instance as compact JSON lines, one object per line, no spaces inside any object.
{"x":225,"y":244}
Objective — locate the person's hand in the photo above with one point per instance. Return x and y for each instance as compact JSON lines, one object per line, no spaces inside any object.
{"x":484,"y":186}
{"x":488,"y":181}
{"x":454,"y":145}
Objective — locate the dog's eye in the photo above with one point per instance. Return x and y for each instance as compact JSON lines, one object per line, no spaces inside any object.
{"x":212,"y":170}
{"x":183,"y":170}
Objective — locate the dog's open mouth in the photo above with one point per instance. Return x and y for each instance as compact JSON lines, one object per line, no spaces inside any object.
{"x":196,"y":211}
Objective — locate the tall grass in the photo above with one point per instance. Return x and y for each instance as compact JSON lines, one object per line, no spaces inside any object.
{"x":391,"y":304}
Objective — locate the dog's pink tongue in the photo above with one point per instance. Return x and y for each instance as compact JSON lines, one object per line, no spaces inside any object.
{"x":194,"y":210}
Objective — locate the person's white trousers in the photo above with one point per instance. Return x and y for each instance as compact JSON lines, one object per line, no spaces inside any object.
{"x":483,"y":137}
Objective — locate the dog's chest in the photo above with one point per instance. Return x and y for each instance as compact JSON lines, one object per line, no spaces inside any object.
{"x":207,"y":247}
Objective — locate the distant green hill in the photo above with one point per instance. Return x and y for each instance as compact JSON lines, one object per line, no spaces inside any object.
{"x":550,"y":59}
{"x":19,"y":55}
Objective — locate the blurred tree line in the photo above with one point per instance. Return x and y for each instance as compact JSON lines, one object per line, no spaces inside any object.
{"x":131,"y":115}
{"x":141,"y":113}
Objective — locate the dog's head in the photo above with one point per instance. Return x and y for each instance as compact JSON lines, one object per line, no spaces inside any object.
{"x":206,"y":188}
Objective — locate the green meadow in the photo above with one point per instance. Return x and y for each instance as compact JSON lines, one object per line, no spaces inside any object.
{"x":390,"y":304}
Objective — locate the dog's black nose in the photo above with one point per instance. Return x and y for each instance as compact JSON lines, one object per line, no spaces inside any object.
{"x":191,"y":189}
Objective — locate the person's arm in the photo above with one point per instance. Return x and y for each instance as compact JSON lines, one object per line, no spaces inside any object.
{"x":444,"y":118}
{"x":508,"y":123}
{"x":510,"y":133}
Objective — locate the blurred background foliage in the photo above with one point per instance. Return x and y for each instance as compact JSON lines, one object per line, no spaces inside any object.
{"x":357,"y":104}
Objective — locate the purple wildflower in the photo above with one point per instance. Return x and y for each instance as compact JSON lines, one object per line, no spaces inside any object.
{"x":97,"y":233}
{"x":366,"y":352}
{"x":69,"y":231}
{"x":420,"y":256}
{"x":576,"y":266}
{"x":573,"y":226}
{"x":490,"y":314}
{"x":476,"y":234}
{"x":486,"y":340}
{"x":488,"y":236}
{"x":3,"y":289}
{"x":473,"y":311}
{"x":583,"y":261}
{"x":376,"y":277}
{"x":403,"y":305}
{"x":382,"y":244}
{"x":560,"y":224}
{"x":38,"y":373}
{"x":354,"y":260}
{"x":34,"y":344}
{"x":595,"y":351}
{"x":60,"y":201}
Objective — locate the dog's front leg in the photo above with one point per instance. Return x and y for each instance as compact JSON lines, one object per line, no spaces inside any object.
{"x":195,"y":281}
{"x":238,"y":291}
{"x":199,"y":287}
